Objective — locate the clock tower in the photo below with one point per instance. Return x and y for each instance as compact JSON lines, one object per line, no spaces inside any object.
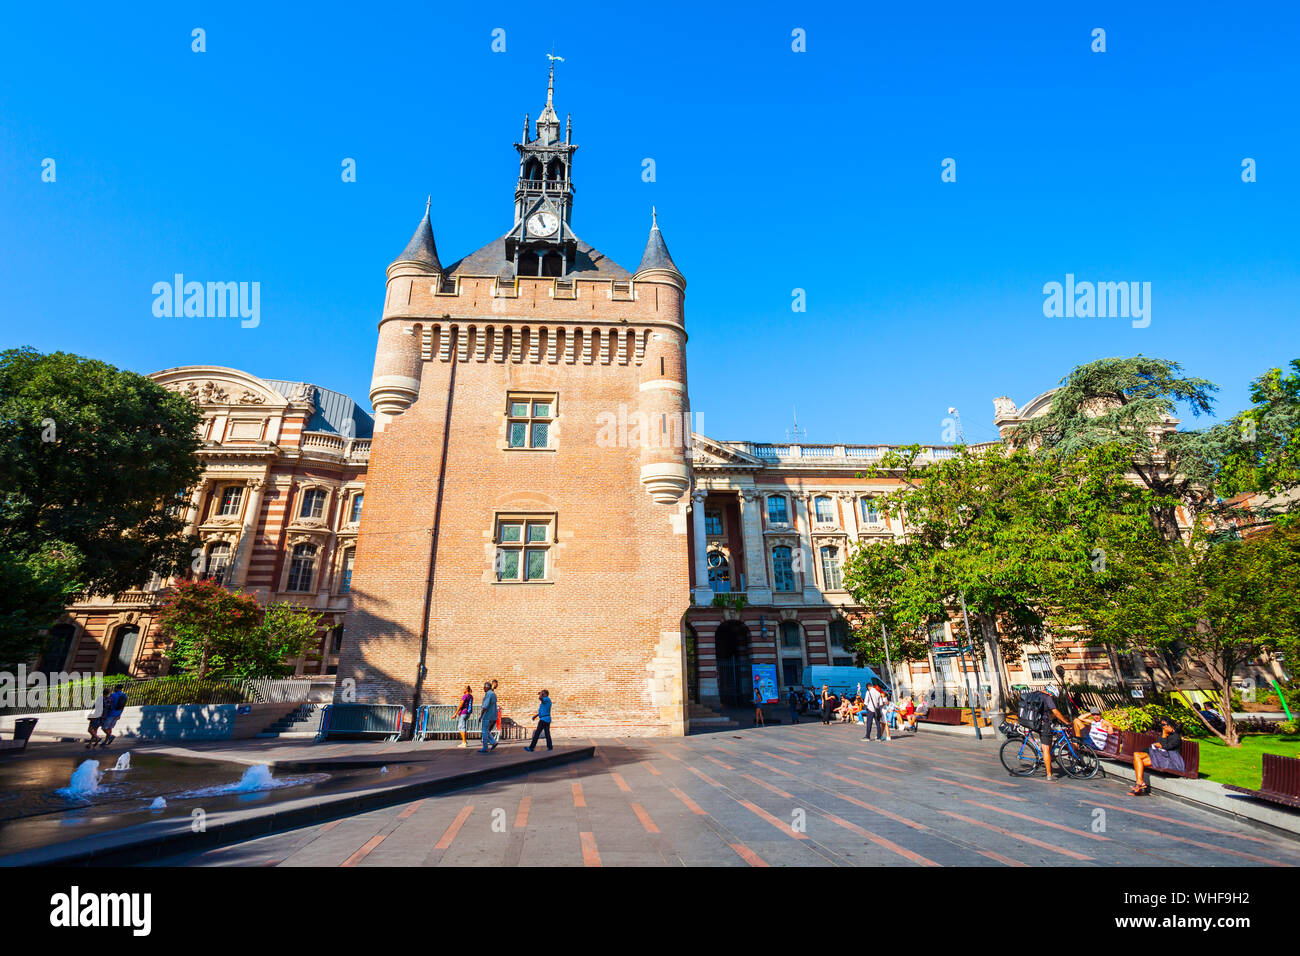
{"x":541,"y":242}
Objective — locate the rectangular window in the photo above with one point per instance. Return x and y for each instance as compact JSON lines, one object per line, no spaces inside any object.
{"x":356,"y":508}
{"x":523,"y":550}
{"x":831,"y":568}
{"x":823,"y":509}
{"x":869,"y":513}
{"x":776,"y":510}
{"x":1040,"y":666}
{"x":230,"y":499}
{"x":529,"y":420}
{"x":345,"y":585}
{"x":782,"y":569}
{"x":713,"y":522}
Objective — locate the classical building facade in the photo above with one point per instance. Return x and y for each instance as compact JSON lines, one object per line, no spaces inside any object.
{"x":276,"y":510}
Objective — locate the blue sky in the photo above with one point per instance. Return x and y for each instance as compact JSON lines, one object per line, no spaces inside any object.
{"x":776,"y":170}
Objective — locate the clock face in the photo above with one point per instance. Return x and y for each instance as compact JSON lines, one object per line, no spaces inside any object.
{"x":543,"y":224}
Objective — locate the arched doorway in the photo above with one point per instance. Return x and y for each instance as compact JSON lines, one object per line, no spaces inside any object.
{"x":123,"y":653}
{"x":735,"y":680}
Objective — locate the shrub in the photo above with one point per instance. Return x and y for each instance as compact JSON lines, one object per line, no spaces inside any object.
{"x":1290,"y":728}
{"x":1146,"y":719}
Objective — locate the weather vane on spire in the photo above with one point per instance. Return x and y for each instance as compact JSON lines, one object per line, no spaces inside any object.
{"x":550,"y":82}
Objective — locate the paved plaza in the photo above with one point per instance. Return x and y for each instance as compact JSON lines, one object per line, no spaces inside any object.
{"x":802,"y":795}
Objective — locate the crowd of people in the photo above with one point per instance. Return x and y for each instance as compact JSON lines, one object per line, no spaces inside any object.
{"x":490,"y":718}
{"x":874,"y":708}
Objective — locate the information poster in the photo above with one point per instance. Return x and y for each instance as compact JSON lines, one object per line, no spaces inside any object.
{"x":765,"y":682}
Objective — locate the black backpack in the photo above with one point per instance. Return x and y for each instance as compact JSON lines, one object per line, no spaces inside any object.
{"x":1031,"y":711}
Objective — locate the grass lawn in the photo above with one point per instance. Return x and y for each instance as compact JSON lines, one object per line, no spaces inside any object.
{"x":1241,"y":765}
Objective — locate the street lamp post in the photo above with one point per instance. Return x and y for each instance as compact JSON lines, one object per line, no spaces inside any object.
{"x":970,"y":639}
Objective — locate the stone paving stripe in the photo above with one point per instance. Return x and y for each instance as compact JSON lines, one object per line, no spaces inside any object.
{"x":578,"y":799}
{"x":651,"y":767}
{"x":590,"y":856}
{"x":1046,"y":823}
{"x":690,"y":804}
{"x":768,"y":766}
{"x":789,"y":750}
{"x":767,"y":786}
{"x":779,"y":757}
{"x":410,"y":810}
{"x":974,"y":776}
{"x":1218,"y":849}
{"x":748,"y":855}
{"x":779,"y":824}
{"x":880,"y":841}
{"x":362,"y":853}
{"x":1006,"y":861}
{"x":521,"y":815}
{"x":724,"y":766}
{"x":1017,"y":836}
{"x":874,"y":809}
{"x":273,"y":861}
{"x":1181,"y":823}
{"x":454,"y":828}
{"x":644,"y":818}
{"x":331,"y":825}
{"x":618,"y":779}
{"x":860,"y":783}
{"x":991,"y":793}
{"x":705,"y":777}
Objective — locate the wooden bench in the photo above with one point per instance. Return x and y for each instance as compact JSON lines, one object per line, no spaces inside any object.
{"x":22,"y":733}
{"x":950,"y":716}
{"x":1191,"y":752}
{"x":1281,"y":781}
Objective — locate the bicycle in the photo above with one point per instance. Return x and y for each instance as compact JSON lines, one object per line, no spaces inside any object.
{"x":1022,"y":755}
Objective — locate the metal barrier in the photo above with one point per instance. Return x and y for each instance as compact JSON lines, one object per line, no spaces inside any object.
{"x":382,"y":720}
{"x":438,"y":722}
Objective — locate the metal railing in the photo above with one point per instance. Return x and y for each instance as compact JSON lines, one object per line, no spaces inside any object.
{"x":438,"y":722}
{"x":375,"y":720}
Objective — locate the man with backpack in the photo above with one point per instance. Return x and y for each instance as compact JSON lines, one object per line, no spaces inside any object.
{"x":1038,"y":711}
{"x":873,"y":709}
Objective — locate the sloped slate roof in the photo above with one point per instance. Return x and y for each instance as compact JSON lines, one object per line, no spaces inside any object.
{"x":491,"y":261}
{"x":656,"y":253}
{"x":421,"y":248}
{"x":333,"y":409}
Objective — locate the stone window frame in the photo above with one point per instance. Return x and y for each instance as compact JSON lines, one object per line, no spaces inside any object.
{"x":767,"y":510}
{"x":227,"y":567}
{"x":865,"y":502}
{"x":838,"y":561}
{"x":531,"y":398}
{"x":289,"y":568}
{"x":726,"y":562}
{"x":343,"y":579}
{"x":219,"y":502}
{"x":793,"y":548}
{"x":307,"y":492}
{"x":356,"y":506}
{"x":832,"y":521}
{"x":550,"y":520}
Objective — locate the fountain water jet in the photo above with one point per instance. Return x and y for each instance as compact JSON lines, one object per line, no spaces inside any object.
{"x":123,"y":762}
{"x":85,"y":780}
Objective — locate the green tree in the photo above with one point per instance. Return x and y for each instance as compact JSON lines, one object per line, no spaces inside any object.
{"x":220,"y":633}
{"x":999,"y":528}
{"x":90,"y":458}
{"x":1217,"y":603}
{"x":1126,"y":402}
{"x":1262,"y":445}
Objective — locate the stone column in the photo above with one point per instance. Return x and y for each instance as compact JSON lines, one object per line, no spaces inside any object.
{"x":703,"y":592}
{"x":751,"y":523}
{"x":193,"y":517}
{"x":849,"y":502}
{"x":244,"y":552}
{"x":802,"y":501}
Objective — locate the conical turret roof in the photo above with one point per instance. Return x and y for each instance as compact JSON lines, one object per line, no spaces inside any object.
{"x":656,"y":250}
{"x":421,"y":248}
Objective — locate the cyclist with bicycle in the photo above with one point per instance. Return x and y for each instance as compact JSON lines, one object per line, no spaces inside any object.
{"x":1043,"y":703}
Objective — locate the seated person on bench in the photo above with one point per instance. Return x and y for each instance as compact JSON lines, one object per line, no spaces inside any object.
{"x":1165,"y":754}
{"x":1084,"y":722}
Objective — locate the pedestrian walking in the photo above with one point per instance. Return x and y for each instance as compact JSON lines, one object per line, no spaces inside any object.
{"x":828,"y":705}
{"x":462,"y":715}
{"x":488,"y":716}
{"x":543,"y":718}
{"x":758,"y":708}
{"x":115,"y":704}
{"x":794,"y":706}
{"x":96,"y":719}
{"x":496,"y":731}
{"x":873,"y":709}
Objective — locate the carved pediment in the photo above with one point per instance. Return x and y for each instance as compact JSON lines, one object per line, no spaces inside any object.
{"x":706,"y":452}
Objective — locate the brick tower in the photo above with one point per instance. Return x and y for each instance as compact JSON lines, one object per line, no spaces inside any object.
{"x":525,"y":513}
